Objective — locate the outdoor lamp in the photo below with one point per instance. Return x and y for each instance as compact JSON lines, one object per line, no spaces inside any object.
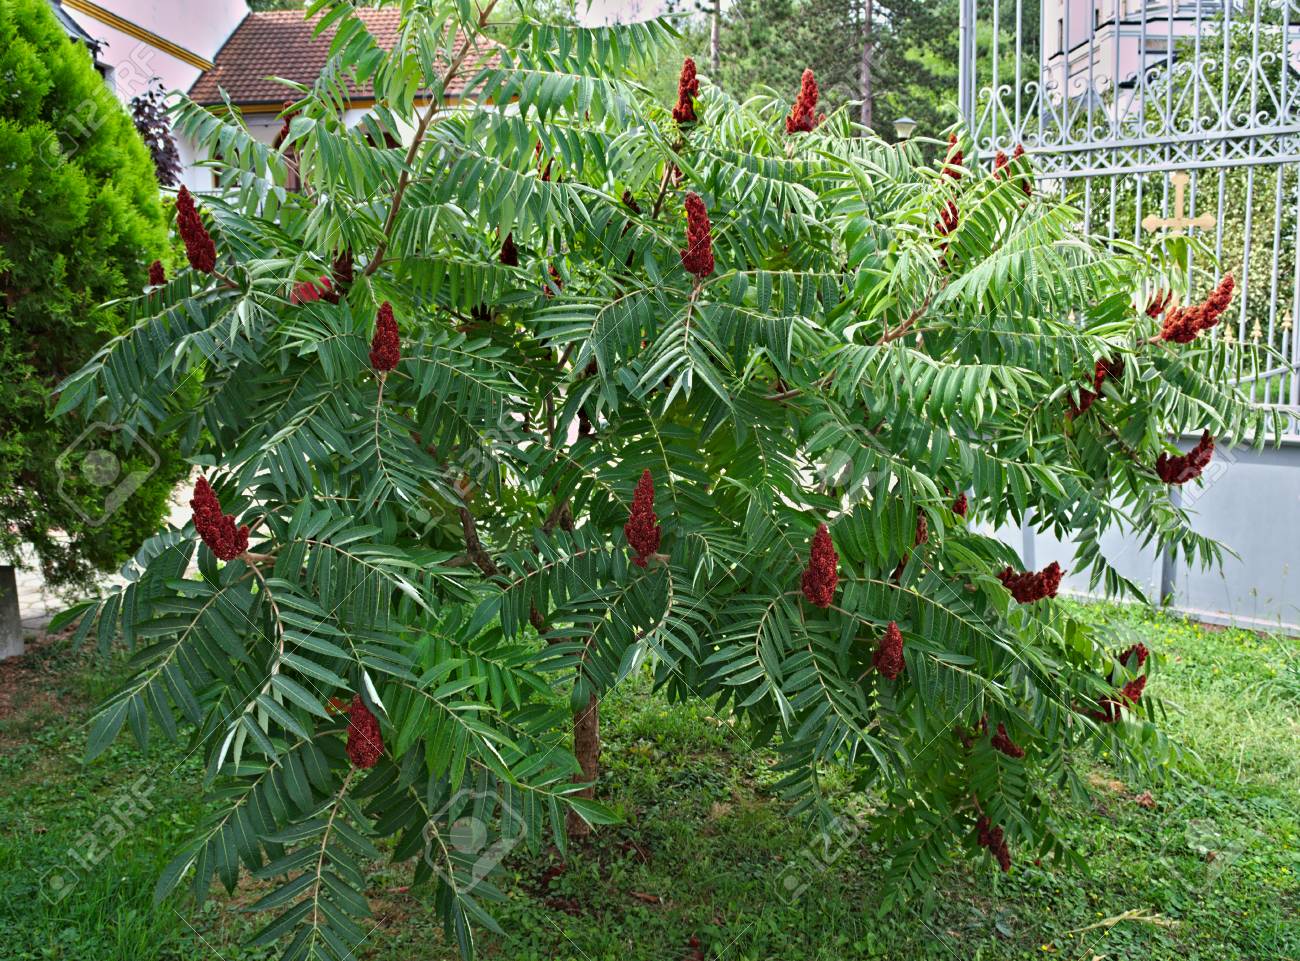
{"x":904,"y":126}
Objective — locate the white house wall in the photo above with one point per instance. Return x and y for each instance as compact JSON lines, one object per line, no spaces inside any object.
{"x":198,"y":27}
{"x":263,"y":127}
{"x":134,"y":64}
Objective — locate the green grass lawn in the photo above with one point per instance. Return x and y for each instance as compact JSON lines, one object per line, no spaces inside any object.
{"x":1204,"y":868}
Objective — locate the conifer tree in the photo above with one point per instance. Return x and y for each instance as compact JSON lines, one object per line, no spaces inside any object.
{"x":80,"y":221}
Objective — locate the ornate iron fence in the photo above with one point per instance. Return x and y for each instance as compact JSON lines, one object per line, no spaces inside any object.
{"x":1159,"y":119}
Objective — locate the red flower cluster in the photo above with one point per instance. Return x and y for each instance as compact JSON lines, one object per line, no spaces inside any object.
{"x":1130,"y":693}
{"x":217,"y":529}
{"x":888,"y":658}
{"x":952,"y":163}
{"x":1104,"y":368}
{"x":803,"y":115}
{"x":199,"y":248}
{"x":947,"y":221}
{"x":1001,"y":741}
{"x":543,"y":168}
{"x":820,"y":576}
{"x":1029,"y":587}
{"x":157,"y":276}
{"x":697,"y":258}
{"x":343,"y":275}
{"x":1185,"y":467}
{"x":992,"y":838}
{"x":1025,"y":184}
{"x":1182,"y":324}
{"x":642,"y":529}
{"x":968,"y":737}
{"x":386,"y":346}
{"x":509,"y":252}
{"x":688,"y":88}
{"x":556,"y":282}
{"x":1158,"y":302}
{"x":920,"y":537}
{"x":1001,"y":161}
{"x":283,"y":133}
{"x":365,"y":742}
{"x":307,"y":292}
{"x":1133,"y":658}
{"x":960,"y":506}
{"x":1138,"y":651}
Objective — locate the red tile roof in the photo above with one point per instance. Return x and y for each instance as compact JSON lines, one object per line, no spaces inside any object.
{"x":280,"y":43}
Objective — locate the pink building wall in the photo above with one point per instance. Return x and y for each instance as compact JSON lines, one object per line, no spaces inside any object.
{"x":1113,"y":35}
{"x":171,"y":40}
{"x":199,"y":27}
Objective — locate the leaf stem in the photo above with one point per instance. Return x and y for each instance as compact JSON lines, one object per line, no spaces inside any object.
{"x":435,"y":106}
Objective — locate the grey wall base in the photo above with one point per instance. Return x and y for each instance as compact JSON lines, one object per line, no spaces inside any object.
{"x":1247,"y":500}
{"x":11,"y":625}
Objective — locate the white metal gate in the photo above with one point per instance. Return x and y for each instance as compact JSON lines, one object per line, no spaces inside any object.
{"x":1161,"y":117}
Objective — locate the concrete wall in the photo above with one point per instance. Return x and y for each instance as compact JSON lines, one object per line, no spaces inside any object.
{"x":1252,"y":507}
{"x":1249,"y":501}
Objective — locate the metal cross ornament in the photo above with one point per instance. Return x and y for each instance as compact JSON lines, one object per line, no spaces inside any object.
{"x":1178,"y":222}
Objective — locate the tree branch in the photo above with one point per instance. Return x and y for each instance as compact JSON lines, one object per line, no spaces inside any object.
{"x":474,"y":547}
{"x":561,"y":515}
{"x":435,"y":105}
{"x":663,"y":182}
{"x":888,"y":336}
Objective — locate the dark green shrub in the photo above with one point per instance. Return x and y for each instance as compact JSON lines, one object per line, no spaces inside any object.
{"x":80,"y":220}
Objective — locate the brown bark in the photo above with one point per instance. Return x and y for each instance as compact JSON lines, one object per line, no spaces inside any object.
{"x":865,"y":73}
{"x":474,"y":547}
{"x":586,"y":748}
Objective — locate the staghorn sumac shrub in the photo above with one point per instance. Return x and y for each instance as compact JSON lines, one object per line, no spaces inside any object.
{"x":527,"y":446}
